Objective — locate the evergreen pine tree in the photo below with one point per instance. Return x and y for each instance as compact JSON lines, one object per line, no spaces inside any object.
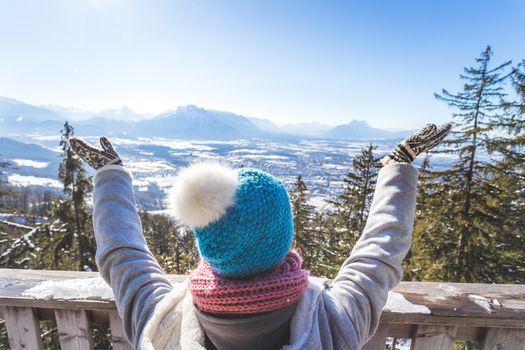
{"x":352,"y":206}
{"x":428,"y":253}
{"x":76,"y":245}
{"x":508,"y":146}
{"x":173,"y":245}
{"x":518,"y":81}
{"x":3,"y":183}
{"x":303,"y":218}
{"x":326,"y":256}
{"x":345,"y":222}
{"x":465,"y":226}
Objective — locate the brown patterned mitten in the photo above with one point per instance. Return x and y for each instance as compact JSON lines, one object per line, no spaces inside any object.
{"x":425,"y":139}
{"x":95,"y":157}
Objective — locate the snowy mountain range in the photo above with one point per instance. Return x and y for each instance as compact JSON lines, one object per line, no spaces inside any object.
{"x":361,"y":130}
{"x":124,"y":113}
{"x":189,"y":122}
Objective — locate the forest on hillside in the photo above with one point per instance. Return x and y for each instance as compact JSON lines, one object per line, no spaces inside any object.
{"x":470,"y":217}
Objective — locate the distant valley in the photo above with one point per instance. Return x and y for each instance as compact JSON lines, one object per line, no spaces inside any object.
{"x":155,"y":161}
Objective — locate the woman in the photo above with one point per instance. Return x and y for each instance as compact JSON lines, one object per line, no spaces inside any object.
{"x":249,"y":290}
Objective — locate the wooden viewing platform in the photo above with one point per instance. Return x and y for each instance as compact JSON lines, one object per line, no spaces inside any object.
{"x":432,"y":314}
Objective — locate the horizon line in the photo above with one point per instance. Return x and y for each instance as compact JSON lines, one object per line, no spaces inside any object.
{"x":150,"y":115}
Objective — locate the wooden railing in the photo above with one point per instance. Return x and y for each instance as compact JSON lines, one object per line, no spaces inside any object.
{"x":432,"y":315}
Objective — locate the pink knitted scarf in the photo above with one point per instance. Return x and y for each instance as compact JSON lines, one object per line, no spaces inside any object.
{"x":271,"y":290}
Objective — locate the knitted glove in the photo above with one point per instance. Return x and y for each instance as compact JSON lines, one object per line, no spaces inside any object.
{"x":95,"y":157}
{"x":423,"y":140}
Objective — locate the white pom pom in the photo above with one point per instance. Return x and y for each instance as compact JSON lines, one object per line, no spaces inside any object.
{"x":202,"y":193}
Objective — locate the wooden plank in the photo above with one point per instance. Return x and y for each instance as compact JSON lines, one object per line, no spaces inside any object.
{"x":388,"y":317}
{"x":82,"y":304}
{"x":57,"y":275}
{"x":433,"y":337}
{"x":472,"y":300}
{"x":470,"y":333}
{"x":401,"y":330}
{"x":17,"y":283}
{"x":23,"y":328}
{"x":504,"y":339}
{"x":378,"y":341}
{"x":74,"y":330}
{"x":98,"y":316}
{"x":117,"y":333}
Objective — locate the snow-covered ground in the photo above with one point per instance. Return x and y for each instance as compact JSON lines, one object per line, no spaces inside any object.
{"x":21,"y":218}
{"x":28,"y":180}
{"x":148,"y":166}
{"x":319,"y":203}
{"x":30,"y":163}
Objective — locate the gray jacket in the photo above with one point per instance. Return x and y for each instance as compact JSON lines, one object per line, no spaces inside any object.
{"x":342,"y":314}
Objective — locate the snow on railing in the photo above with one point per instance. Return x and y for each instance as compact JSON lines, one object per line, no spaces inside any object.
{"x":431,"y":315}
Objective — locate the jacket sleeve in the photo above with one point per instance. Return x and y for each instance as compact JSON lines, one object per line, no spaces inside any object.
{"x":374,"y":266}
{"x":124,"y":260}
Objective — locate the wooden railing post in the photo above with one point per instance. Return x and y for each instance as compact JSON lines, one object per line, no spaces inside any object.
{"x":74,"y":330}
{"x":117,"y":332}
{"x":378,"y":341}
{"x":23,"y":328}
{"x":434,"y":337}
{"x":504,"y":339}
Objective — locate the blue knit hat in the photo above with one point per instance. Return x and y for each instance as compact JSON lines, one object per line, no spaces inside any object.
{"x":242,"y":219}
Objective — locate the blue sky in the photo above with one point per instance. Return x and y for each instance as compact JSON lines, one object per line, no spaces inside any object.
{"x":288,"y":61}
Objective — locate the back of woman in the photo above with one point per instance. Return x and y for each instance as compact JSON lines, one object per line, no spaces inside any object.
{"x":249,"y":289}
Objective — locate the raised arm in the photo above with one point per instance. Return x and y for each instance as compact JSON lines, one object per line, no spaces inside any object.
{"x":124,"y":260}
{"x":374,"y":266}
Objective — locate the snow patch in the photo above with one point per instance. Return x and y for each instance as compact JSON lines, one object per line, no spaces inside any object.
{"x":334,"y":166}
{"x":149,"y":166}
{"x":14,"y":224}
{"x":446,"y":287}
{"x":262,"y":156}
{"x":290,"y":165}
{"x":484,"y":303}
{"x":163,"y":182}
{"x":147,"y":153}
{"x":21,"y":180}
{"x":208,"y":156}
{"x":37,"y":137}
{"x":81,"y":288}
{"x":398,"y":303}
{"x":319,"y":203}
{"x":30,"y":163}
{"x":181,"y":145}
{"x":248,"y":151}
